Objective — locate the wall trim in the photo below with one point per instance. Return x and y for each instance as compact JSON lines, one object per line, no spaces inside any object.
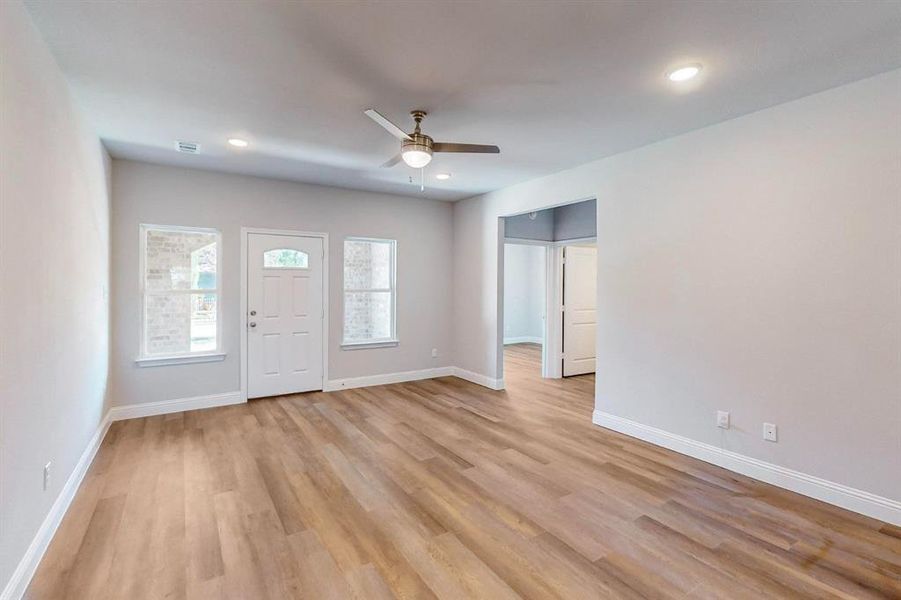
{"x":21,"y":577}
{"x":527,"y":241}
{"x":552,"y":351}
{"x":186,"y":359}
{"x":859,"y":501}
{"x":163,"y":407}
{"x":483,"y":380}
{"x":386,"y":378}
{"x":524,"y":339}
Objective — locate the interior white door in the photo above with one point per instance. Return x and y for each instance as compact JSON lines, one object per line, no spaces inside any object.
{"x":579,"y":309}
{"x":284,"y":314}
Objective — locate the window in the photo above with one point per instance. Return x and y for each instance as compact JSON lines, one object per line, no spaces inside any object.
{"x":285,"y":258}
{"x":180,"y":287}
{"x":369,"y":293}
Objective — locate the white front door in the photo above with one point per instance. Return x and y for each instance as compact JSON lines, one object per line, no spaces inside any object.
{"x":580,"y":271}
{"x":284,"y":314}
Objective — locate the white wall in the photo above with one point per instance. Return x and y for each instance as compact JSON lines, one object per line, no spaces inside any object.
{"x":145,"y":193}
{"x":752,"y":266}
{"x":524,"y":293}
{"x":54,"y":269}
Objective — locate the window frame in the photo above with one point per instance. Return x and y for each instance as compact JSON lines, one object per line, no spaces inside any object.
{"x":152,"y":360}
{"x":375,"y":343}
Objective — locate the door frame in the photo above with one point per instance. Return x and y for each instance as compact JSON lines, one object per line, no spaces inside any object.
{"x":245,"y":237}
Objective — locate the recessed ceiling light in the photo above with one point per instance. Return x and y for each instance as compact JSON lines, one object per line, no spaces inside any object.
{"x":684,"y":73}
{"x":442,"y":176}
{"x":238,"y":142}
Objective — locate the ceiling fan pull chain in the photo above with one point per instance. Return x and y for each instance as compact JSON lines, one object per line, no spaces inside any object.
{"x":422,"y":179}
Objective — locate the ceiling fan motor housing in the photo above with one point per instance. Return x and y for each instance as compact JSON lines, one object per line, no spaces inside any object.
{"x":417,"y":149}
{"x":419,"y":142}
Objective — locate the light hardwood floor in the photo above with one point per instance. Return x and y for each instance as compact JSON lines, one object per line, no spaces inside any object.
{"x":441,"y":488}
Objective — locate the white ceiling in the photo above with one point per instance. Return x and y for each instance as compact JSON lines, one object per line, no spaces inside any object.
{"x":553,"y":84}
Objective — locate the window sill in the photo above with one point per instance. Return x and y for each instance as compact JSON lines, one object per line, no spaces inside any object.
{"x":367,"y":345}
{"x":161,"y":361}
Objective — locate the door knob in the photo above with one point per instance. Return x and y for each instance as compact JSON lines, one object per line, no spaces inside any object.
{"x":253,"y":313}
{"x":252,"y":324}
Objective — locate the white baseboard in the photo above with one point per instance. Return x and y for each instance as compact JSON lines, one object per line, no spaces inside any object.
{"x":385,"y":378}
{"x":859,"y":501}
{"x":148,"y":409}
{"x":357,"y":382}
{"x":483,"y":380}
{"x":21,"y":577}
{"x":524,"y":339}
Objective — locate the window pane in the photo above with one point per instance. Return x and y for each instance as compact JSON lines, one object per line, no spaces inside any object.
{"x":367,"y":265}
{"x":203,"y":322}
{"x":285,"y":258}
{"x":367,"y":316}
{"x":203,"y":268}
{"x":178,"y":260}
{"x":180,"y":323}
{"x":168,"y":324}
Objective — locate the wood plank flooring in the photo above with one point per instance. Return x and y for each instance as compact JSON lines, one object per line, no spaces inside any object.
{"x":441,"y":489}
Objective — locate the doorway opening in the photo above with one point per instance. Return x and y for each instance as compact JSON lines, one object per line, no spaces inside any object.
{"x":548,"y":274}
{"x":525,"y":296}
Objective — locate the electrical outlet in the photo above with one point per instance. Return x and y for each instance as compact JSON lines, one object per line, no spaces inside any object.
{"x":722,"y":419}
{"x":769,"y":432}
{"x":434,"y":352}
{"x":47,"y":476}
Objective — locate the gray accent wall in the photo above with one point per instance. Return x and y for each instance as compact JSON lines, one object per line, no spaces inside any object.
{"x":521,"y":227}
{"x":576,"y":221}
{"x":568,"y":222}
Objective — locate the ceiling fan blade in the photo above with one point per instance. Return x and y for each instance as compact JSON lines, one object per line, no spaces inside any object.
{"x":392,"y":161}
{"x":388,"y":125}
{"x":477,"y":148}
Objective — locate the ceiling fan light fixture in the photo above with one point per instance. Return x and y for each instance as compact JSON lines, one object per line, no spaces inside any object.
{"x":416,"y":155}
{"x":416,"y":148}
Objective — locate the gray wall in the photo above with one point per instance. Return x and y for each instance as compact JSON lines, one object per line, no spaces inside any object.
{"x":752,"y":266}
{"x":559,"y":224}
{"x":521,"y":227}
{"x":54,"y":274}
{"x":145,"y":193}
{"x":576,"y":221}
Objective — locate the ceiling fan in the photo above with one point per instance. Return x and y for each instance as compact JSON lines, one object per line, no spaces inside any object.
{"x":416,"y":148}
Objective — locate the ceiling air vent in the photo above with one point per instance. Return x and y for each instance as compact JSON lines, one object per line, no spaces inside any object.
{"x":187,"y":147}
